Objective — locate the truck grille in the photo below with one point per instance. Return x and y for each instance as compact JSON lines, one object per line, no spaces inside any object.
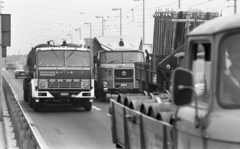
{"x":64,"y":84}
{"x":123,"y":75}
{"x":123,"y":80}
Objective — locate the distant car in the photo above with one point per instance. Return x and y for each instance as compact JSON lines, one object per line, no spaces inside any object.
{"x":10,"y":66}
{"x":19,"y":71}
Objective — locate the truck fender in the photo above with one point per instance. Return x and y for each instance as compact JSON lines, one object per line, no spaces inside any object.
{"x":25,"y":84}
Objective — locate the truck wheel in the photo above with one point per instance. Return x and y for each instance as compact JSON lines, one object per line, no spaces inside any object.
{"x":30,"y":99}
{"x":118,"y":146}
{"x":37,"y":106}
{"x":103,"y":96}
{"x":25,"y":95}
{"x":15,"y":76}
{"x":87,"y":105}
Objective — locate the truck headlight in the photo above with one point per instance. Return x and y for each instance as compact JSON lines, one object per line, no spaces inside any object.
{"x":86,"y":85}
{"x":105,"y":84}
{"x":42,"y":85}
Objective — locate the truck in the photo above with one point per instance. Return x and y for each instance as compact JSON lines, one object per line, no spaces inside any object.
{"x":114,"y":58}
{"x":170,"y":29}
{"x":10,"y":65}
{"x":204,"y":97}
{"x":59,"y":74}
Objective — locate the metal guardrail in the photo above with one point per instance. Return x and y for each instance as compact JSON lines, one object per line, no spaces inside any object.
{"x":26,"y":133}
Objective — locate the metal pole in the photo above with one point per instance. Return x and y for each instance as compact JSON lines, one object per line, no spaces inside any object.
{"x":1,"y":92}
{"x":235,"y":6}
{"x":80,"y":33}
{"x":90,"y":35}
{"x":120,"y":22}
{"x":102,"y":26}
{"x":179,"y":4}
{"x":143,"y":21}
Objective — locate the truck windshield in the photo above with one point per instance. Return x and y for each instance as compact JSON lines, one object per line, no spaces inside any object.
{"x":121,"y":57}
{"x":77,"y":58}
{"x":230,"y":78}
{"x":63,"y":58}
{"x":51,"y":58}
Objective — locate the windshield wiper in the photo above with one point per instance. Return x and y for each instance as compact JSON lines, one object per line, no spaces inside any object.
{"x":71,"y":53}
{"x":56,"y":55}
{"x":113,"y":61}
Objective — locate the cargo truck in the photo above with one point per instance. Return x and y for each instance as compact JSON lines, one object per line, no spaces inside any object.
{"x":205,"y":97}
{"x":114,"y":58}
{"x":59,"y":74}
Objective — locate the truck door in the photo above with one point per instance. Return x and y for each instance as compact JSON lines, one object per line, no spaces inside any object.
{"x":189,"y":129}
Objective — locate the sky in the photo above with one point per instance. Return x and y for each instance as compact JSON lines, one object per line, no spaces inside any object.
{"x":37,"y":21}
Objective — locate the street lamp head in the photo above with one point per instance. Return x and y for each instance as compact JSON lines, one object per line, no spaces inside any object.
{"x":114,"y":9}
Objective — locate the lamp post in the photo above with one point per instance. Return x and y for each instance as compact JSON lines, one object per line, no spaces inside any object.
{"x":90,"y":24}
{"x":143,"y":20}
{"x":79,"y":32}
{"x":102,"y":24}
{"x":70,"y":35}
{"x":115,"y":9}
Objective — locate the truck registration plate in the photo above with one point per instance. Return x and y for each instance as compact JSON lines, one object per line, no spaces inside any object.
{"x":64,"y":94}
{"x":123,"y":84}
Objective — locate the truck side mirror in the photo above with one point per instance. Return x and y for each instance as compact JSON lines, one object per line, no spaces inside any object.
{"x":98,"y":62}
{"x":95,"y":59}
{"x":183,"y":89}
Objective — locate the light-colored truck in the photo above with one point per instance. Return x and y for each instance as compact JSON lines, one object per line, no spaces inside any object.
{"x":59,"y":74}
{"x":205,"y":108}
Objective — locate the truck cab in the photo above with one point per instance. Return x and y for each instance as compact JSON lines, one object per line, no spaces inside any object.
{"x":59,"y":74}
{"x":114,"y":64}
{"x":207,"y":90}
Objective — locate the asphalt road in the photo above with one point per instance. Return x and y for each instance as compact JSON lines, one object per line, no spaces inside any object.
{"x":65,"y":127}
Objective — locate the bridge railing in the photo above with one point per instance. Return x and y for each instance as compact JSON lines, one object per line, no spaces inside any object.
{"x":26,"y":133}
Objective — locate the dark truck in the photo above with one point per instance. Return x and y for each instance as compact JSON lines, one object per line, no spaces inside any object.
{"x":114,"y":58}
{"x":59,"y":74}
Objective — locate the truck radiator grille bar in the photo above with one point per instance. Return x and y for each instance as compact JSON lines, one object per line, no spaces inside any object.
{"x":64,"y":84}
{"x":123,"y":80}
{"x":123,"y":73}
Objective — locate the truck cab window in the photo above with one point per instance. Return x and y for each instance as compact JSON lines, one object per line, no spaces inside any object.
{"x":230,"y":90}
{"x":201,"y":67}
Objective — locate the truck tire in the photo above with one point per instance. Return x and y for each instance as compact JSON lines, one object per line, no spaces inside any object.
{"x":87,"y":105}
{"x":30,"y":99}
{"x":118,"y":146}
{"x":37,"y":106}
{"x":103,"y":96}
{"x":25,"y":95}
{"x":15,"y":76}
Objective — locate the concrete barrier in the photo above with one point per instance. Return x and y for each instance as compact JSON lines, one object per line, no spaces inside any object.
{"x":26,"y":134}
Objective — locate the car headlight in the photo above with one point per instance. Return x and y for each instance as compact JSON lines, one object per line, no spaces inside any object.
{"x":42,"y":85}
{"x":105,"y":84}
{"x":86,"y":85}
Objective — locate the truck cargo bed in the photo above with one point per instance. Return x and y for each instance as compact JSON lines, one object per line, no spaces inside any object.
{"x":134,"y":130}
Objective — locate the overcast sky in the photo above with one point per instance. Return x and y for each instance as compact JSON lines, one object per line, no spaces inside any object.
{"x":36,"y":21}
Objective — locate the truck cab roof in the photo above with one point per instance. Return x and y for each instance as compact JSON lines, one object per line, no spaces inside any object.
{"x":119,"y":43}
{"x":210,"y":27}
{"x":62,"y":48}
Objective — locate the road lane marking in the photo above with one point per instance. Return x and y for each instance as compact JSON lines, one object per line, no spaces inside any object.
{"x":96,"y":108}
{"x":108,"y":114}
